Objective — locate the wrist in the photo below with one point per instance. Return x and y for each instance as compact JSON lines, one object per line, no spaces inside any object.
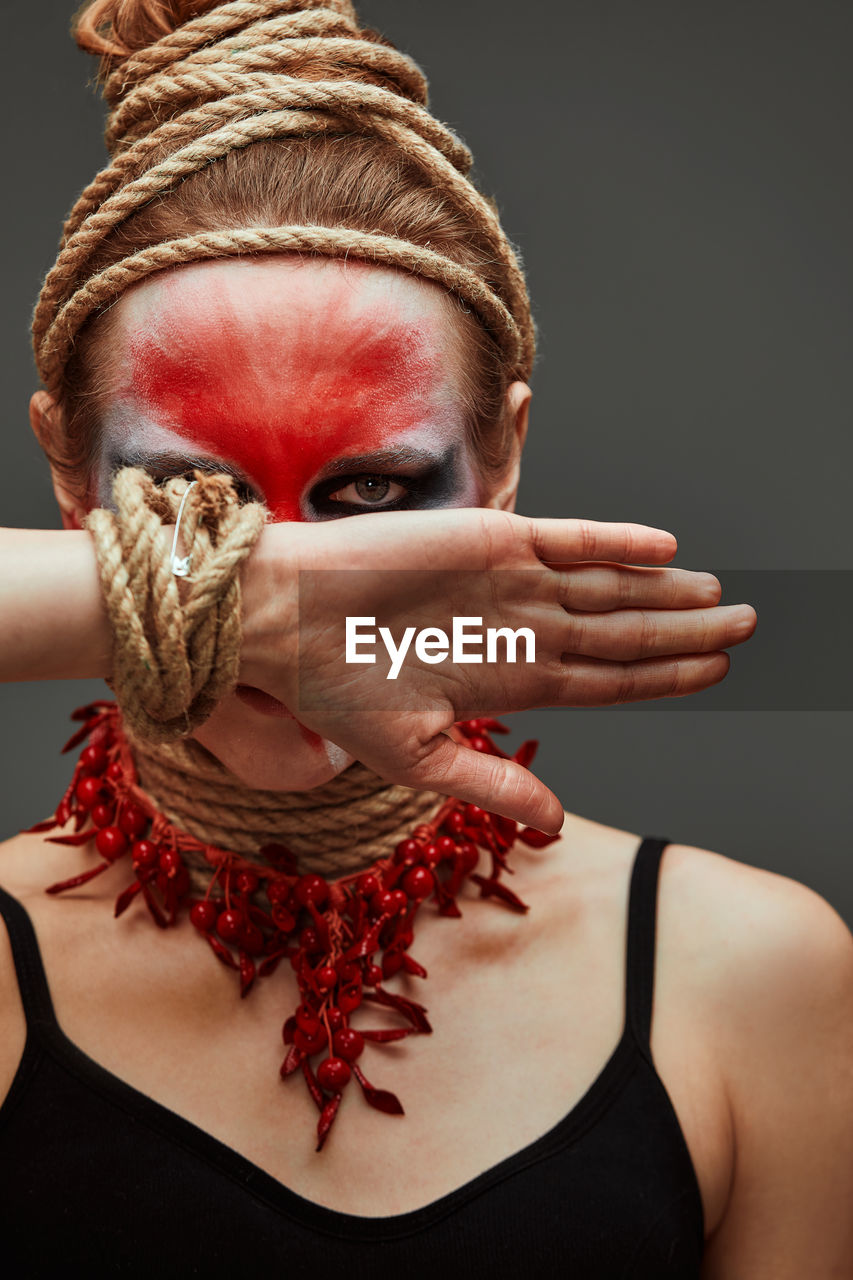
{"x":269,"y":583}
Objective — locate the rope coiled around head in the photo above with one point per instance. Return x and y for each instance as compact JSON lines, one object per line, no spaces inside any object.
{"x":254,"y":70}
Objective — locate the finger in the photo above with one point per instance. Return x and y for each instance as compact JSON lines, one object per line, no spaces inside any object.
{"x":500,"y":786}
{"x":631,"y":634}
{"x":564,"y":541}
{"x":600,"y":587}
{"x":590,"y":682}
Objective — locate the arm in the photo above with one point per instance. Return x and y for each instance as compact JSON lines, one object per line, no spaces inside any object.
{"x":787,"y":1054}
{"x":53,"y":625}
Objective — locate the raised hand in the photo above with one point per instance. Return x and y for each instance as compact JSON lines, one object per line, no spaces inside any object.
{"x":611,"y":624}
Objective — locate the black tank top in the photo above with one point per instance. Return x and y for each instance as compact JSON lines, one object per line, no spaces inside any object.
{"x":99,"y":1180}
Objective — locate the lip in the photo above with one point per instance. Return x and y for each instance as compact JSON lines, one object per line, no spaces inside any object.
{"x":264,"y":703}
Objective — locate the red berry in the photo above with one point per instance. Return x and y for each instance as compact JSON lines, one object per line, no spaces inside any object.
{"x":103,"y":814}
{"x":349,"y":999}
{"x":373,"y":975}
{"x":309,"y":939}
{"x":88,"y":792}
{"x":327,"y":976}
{"x":335,"y":1018}
{"x":247,"y":881}
{"x":468,"y":856}
{"x":474,"y":726}
{"x":132,"y":820}
{"x":383,"y":903}
{"x":283,"y":919}
{"x":311,"y":888}
{"x":368,"y":884}
{"x":401,"y":900}
{"x":348,"y":1043}
{"x":307,"y":1019}
{"x":418,"y":882}
{"x":115,"y":771}
{"x":93,"y":759}
{"x":347,"y":971}
{"x":111,"y":843}
{"x":479,"y":744}
{"x":474,"y":815}
{"x":446,"y":847}
{"x":407,"y":851}
{"x":454,"y":822}
{"x":203,"y":915}
{"x":311,"y":1043}
{"x":278,"y":891}
{"x":229,"y":925}
{"x":170,"y":862}
{"x":145,"y":853}
{"x":333,"y":1073}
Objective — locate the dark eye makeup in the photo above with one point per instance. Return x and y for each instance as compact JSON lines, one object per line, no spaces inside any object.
{"x":350,"y":488}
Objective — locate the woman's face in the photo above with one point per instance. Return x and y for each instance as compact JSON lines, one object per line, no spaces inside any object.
{"x":326,"y":388}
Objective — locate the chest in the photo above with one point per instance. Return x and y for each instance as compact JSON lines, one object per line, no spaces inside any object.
{"x":526,"y":1016}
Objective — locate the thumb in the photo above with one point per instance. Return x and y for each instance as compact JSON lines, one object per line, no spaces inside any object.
{"x":500,"y":786}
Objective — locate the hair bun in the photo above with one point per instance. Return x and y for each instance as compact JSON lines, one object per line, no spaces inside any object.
{"x":181,"y":52}
{"x":190,"y":82}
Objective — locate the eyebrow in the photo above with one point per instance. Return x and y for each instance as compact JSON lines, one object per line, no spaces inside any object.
{"x":402,"y":455}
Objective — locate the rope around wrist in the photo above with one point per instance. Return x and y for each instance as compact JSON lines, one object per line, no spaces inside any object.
{"x":175,"y":654}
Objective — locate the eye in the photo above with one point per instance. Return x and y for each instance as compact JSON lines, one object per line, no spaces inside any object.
{"x":369,"y":491}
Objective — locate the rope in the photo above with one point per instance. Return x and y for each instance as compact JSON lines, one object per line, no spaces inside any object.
{"x":326,"y":241}
{"x":244,"y":72}
{"x":174,"y":658}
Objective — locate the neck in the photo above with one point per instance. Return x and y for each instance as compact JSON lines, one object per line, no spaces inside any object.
{"x":336,"y":829}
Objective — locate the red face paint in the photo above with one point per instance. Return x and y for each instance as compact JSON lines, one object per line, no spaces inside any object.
{"x":281,"y":368}
{"x":281,"y":371}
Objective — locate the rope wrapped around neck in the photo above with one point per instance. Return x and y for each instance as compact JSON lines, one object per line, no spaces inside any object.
{"x":173,"y":661}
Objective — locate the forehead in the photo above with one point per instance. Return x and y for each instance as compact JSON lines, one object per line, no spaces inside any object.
{"x":281,"y":367}
{"x":282,"y":320}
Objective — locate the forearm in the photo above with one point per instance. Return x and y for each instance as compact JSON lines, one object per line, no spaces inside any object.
{"x":53,"y":625}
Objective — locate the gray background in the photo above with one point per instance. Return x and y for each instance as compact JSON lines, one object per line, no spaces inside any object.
{"x":677,"y":178}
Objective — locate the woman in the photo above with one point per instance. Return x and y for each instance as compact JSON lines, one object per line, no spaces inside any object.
{"x":328,"y":381}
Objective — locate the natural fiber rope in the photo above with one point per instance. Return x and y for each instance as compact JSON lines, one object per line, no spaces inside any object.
{"x":325,"y":241}
{"x":214,"y":85}
{"x":173,"y":660}
{"x":336,"y":827}
{"x":243,"y":72}
{"x":202,"y":151}
{"x":217,"y":25}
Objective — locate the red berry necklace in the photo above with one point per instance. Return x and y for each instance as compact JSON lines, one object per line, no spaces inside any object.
{"x":255,"y":914}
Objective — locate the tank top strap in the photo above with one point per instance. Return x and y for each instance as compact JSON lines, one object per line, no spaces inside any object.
{"x":640,"y":958}
{"x":32,"y":980}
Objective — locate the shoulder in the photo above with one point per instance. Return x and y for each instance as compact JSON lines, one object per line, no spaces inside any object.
{"x":772,"y":953}
{"x":763,"y":928}
{"x":770,"y":963}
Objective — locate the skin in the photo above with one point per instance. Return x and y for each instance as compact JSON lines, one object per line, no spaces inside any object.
{"x":754,"y":973}
{"x":327,"y":390}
